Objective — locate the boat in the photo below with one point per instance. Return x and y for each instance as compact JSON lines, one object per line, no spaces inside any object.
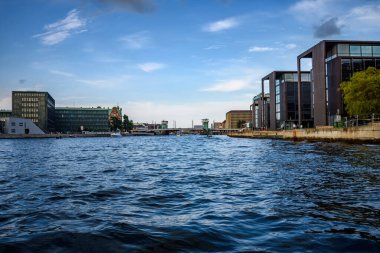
{"x":116,"y":134}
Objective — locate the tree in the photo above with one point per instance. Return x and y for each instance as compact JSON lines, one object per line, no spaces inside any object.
{"x":362,"y":93}
{"x":115,"y":123}
{"x":127,"y":124}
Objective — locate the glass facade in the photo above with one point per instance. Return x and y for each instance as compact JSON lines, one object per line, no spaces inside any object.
{"x":287,"y":99}
{"x":74,"y":120}
{"x":352,"y":50}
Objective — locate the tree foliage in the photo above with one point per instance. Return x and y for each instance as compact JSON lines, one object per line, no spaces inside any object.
{"x":127,"y":124}
{"x":362,"y":93}
{"x":115,"y":124}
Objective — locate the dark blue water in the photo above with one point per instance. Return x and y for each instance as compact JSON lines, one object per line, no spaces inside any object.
{"x":190,"y":193}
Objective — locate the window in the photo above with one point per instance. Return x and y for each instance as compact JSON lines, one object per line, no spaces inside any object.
{"x":13,"y":124}
{"x":368,"y":63}
{"x":366,"y":50}
{"x":355,"y":50}
{"x":20,"y":124}
{"x":357,"y":65}
{"x":346,"y":69}
{"x":343,"y":50}
{"x":13,"y":130}
{"x":376,"y":50}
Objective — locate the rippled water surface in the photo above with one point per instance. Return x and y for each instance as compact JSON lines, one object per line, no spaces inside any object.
{"x":189,"y":193}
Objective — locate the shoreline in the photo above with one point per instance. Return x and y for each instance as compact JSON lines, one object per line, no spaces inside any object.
{"x":361,"y":134}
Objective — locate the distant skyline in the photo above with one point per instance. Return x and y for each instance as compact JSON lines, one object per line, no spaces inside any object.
{"x":179,"y":60}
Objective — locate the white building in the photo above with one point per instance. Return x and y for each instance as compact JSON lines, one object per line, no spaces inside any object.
{"x":13,"y":125}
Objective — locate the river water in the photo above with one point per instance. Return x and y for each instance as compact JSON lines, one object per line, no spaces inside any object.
{"x":189,"y":193}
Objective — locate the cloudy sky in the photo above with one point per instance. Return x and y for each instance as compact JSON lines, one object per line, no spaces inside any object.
{"x":179,"y":60}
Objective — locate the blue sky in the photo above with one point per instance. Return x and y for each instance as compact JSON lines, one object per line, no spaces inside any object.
{"x":179,"y":60}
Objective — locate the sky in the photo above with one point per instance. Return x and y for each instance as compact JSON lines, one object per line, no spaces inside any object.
{"x":175,"y":60}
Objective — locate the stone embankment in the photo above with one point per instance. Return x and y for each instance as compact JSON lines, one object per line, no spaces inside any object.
{"x":366,"y":134}
{"x":34,"y":136}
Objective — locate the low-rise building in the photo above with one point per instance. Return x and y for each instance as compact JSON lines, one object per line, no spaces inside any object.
{"x":5,"y":113}
{"x":74,"y":119}
{"x":236,"y":118}
{"x":14,"y":125}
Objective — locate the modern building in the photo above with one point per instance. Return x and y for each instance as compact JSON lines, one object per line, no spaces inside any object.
{"x":164,"y":124}
{"x":236,"y":118}
{"x":257,"y":112}
{"x":335,"y":61}
{"x":283,"y":90}
{"x":13,"y":125}
{"x":35,"y":105}
{"x":74,"y":119}
{"x":5,"y":113}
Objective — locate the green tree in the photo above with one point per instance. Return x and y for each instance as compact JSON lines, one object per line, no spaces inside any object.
{"x":127,"y":124}
{"x":362,"y":93}
{"x":115,"y":124}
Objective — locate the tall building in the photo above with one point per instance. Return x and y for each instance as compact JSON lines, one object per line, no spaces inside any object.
{"x":5,"y":113}
{"x":283,"y":89}
{"x":236,"y":118}
{"x":72,"y":120}
{"x":257,"y":111}
{"x":35,"y":105}
{"x":335,"y":61}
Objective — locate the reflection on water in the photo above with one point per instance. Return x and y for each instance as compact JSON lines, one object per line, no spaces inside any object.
{"x":188,"y":193}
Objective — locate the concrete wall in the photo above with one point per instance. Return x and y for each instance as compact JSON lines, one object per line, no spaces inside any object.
{"x":15,"y":125}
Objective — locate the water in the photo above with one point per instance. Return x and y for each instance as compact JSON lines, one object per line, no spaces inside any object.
{"x":190,"y":193}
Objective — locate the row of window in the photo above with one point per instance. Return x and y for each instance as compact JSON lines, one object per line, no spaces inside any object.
{"x":19,"y":124}
{"x":29,"y":104}
{"x":34,"y":99}
{"x":353,"y":50}
{"x":29,"y":115}
{"x":26,"y":94}
{"x":29,"y":109}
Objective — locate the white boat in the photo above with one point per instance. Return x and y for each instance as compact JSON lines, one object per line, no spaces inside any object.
{"x":116,"y":134}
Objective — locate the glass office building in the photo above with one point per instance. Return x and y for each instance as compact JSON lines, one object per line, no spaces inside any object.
{"x":283,"y":89}
{"x":334,"y":62}
{"x":74,"y":120}
{"x":35,"y":105}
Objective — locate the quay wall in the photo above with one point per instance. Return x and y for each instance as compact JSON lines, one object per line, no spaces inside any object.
{"x":368,"y":134}
{"x":40,"y":136}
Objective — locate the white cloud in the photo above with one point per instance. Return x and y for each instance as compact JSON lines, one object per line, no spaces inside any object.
{"x":310,"y":8}
{"x":260,"y":49}
{"x":290,"y":46}
{"x":229,"y":86}
{"x":105,"y":83}
{"x":151,"y":66}
{"x":221,"y":25}
{"x":59,"y":31}
{"x":62,"y":73}
{"x":6,"y":103}
{"x":137,"y":40}
{"x":214,"y":47}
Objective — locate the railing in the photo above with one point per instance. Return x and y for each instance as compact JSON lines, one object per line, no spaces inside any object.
{"x":358,"y":120}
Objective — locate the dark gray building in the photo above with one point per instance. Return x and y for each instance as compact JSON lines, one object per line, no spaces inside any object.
{"x":34,"y":105}
{"x":5,"y":113}
{"x":73,"y":120}
{"x":257,"y":112}
{"x":335,"y":61}
{"x":283,"y":90}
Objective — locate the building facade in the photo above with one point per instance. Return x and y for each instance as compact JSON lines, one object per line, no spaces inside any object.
{"x":283,"y":90}
{"x":35,"y":105}
{"x":257,"y":111}
{"x":5,"y":113}
{"x":335,"y":61}
{"x":13,"y":125}
{"x":236,"y":118}
{"x":74,"y":120}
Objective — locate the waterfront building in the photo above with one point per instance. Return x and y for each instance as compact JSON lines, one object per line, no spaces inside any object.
{"x":14,"y":125}
{"x":283,"y":90}
{"x":74,"y":119}
{"x":164,"y":124}
{"x":236,"y":118}
{"x":205,"y":124}
{"x":335,"y":61}
{"x":257,"y":111}
{"x":217,"y":125}
{"x":35,"y":105}
{"x":5,"y":113}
